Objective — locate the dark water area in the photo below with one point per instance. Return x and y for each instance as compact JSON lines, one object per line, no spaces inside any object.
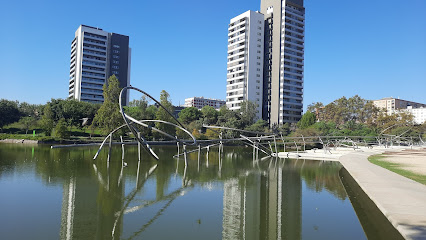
{"x":65,"y":194}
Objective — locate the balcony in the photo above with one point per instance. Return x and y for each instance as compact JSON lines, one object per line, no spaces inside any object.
{"x":92,"y":53}
{"x":95,"y":75}
{"x":91,"y":86}
{"x":94,"y":58}
{"x":92,"y":91}
{"x":94,"y":42}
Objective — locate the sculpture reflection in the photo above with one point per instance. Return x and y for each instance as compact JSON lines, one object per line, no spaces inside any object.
{"x":256,"y":199}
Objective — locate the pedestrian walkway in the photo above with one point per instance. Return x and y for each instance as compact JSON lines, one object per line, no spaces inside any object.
{"x":401,"y":200}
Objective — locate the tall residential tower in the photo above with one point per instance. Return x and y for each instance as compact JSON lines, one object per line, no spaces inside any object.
{"x":245,"y":61}
{"x":95,"y":56}
{"x":284,"y":60}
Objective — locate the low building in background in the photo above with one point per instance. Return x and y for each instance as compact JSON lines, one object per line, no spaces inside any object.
{"x":419,"y":114}
{"x":200,"y":102}
{"x":392,"y":104}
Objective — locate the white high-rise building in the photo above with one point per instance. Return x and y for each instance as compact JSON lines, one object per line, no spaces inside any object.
{"x":245,"y":61}
{"x":95,"y":56}
{"x":284,"y":60}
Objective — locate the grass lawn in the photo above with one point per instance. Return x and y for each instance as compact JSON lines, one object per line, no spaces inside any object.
{"x":379,"y":160}
{"x":15,"y":131}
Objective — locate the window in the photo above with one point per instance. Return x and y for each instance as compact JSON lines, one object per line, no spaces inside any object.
{"x":259,"y":40}
{"x":115,"y":56}
{"x":116,"y":61}
{"x":258,"y":57}
{"x":259,"y":33}
{"x":260,"y":28}
{"x":258,"y":63}
{"x":258,"y":51}
{"x":115,"y":46}
{"x":115,"y":51}
{"x":260,"y":22}
{"x":258,"y":81}
{"x":257,"y":75}
{"x":115,"y":72}
{"x":258,"y":69}
{"x":115,"y":67}
{"x":258,"y":45}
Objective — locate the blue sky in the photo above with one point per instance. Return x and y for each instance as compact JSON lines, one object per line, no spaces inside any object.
{"x":371,"y":48}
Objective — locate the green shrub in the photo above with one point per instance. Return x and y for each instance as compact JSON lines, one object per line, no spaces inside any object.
{"x":61,"y":130}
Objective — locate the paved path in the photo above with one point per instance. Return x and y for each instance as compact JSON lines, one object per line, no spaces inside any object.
{"x":401,"y":200}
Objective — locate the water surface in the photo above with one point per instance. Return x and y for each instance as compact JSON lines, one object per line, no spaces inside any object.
{"x":63,"y":193}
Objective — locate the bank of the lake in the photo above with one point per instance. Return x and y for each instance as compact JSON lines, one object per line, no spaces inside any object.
{"x":401,"y":200}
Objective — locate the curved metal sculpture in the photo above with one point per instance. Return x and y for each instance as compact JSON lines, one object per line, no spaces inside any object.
{"x":255,"y":142}
{"x":130,"y":122}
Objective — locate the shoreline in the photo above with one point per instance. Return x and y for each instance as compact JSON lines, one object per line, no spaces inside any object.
{"x":401,"y":200}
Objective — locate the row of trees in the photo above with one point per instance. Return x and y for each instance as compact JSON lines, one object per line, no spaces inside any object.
{"x":345,"y":116}
{"x":355,"y":117}
{"x":56,"y":113}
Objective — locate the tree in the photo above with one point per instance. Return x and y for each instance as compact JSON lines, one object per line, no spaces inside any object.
{"x":210,"y":134}
{"x":345,"y":109}
{"x":369,"y":113}
{"x":325,"y":128}
{"x":74,"y":111}
{"x":248,"y":112}
{"x":259,"y":126}
{"x":139,"y":109}
{"x":285,"y":129}
{"x":189,"y":114}
{"x":151,"y":112}
{"x":209,"y":115}
{"x":163,"y":115}
{"x":229,"y":118}
{"x":313,"y":107}
{"x":108,"y":116}
{"x":30,"y":110}
{"x":9,"y":112}
{"x":46,"y":121}
{"x":386,"y":122}
{"x":133,"y":112}
{"x":307,"y":120}
{"x":61,"y":130}
{"x":305,"y":132}
{"x":26,"y":123}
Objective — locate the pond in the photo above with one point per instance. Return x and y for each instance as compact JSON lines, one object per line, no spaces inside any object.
{"x":65,"y":194}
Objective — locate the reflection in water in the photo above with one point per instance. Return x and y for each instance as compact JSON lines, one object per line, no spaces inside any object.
{"x":265,"y":204}
{"x":256,"y":199}
{"x":89,"y":204}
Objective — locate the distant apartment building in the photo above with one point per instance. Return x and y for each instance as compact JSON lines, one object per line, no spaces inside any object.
{"x":419,"y":114}
{"x":245,"y":61}
{"x":392,"y":104}
{"x":200,"y":102}
{"x":284,"y":60}
{"x":95,"y":56}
